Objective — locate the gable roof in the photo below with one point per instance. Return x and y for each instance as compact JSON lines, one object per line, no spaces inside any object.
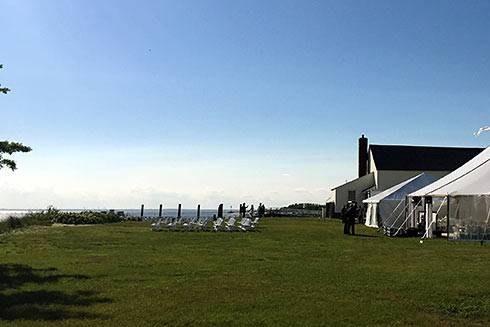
{"x":421,"y":158}
{"x":366,"y":181}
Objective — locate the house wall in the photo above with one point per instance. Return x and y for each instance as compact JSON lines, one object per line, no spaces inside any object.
{"x":372,"y":164}
{"x":358,"y":185}
{"x":372,"y":167}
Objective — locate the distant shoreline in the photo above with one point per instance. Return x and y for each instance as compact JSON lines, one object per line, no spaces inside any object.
{"x":150,"y":213}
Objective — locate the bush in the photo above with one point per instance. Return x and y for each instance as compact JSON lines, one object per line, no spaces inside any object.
{"x":52,"y":215}
{"x":14,"y":222}
{"x":43,"y":218}
{"x":86,"y":217}
{"x":30,"y":219}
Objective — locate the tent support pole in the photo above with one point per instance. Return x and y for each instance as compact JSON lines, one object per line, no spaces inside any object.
{"x":405,"y":210}
{"x":428,"y":216}
{"x":447,"y":228}
{"x":485,"y":232}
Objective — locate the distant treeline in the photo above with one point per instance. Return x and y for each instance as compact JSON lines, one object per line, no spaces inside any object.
{"x":305,"y":206}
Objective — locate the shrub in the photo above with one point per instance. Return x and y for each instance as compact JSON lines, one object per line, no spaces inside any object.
{"x":85,"y":217}
{"x":52,"y":215}
{"x":13,"y":223}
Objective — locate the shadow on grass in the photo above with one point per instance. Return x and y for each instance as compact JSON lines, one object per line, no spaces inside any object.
{"x":15,"y":275}
{"x":42,"y":304}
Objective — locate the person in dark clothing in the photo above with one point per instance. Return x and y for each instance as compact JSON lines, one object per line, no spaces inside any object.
{"x":344,"y":217}
{"x":349,"y":214}
{"x":261,"y":210}
{"x":242,"y":210}
{"x":352,"y":220}
{"x":356,"y":210}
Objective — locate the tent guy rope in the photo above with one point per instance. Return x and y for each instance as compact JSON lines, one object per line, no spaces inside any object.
{"x":409,"y":216}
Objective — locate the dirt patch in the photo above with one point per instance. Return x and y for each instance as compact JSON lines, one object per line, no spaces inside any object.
{"x":95,"y":259}
{"x":70,"y":225}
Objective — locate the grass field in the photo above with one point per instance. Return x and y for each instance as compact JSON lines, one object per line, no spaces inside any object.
{"x":291,"y":272}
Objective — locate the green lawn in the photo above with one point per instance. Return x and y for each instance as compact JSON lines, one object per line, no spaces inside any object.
{"x":291,"y":272}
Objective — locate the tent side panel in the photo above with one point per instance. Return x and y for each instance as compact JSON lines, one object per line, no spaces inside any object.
{"x":469,"y":218}
{"x":392,"y":213}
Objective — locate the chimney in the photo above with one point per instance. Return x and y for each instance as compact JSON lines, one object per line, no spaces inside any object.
{"x":363,"y":156}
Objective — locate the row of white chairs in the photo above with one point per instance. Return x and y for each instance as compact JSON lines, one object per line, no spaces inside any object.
{"x":202,"y":224}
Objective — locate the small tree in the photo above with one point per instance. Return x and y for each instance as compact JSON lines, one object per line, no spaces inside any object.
{"x":7,"y":147}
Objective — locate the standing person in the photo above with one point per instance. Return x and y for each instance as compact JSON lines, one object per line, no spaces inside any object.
{"x":344,"y":215}
{"x":261,"y":210}
{"x":354,"y":213}
{"x":349,"y":214}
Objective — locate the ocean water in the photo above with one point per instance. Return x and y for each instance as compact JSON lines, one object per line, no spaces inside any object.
{"x":148,"y":213}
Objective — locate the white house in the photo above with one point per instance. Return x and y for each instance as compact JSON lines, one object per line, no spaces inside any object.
{"x":383,"y":166}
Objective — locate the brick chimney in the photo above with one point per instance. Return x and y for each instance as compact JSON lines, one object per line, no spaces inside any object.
{"x":363,"y":156}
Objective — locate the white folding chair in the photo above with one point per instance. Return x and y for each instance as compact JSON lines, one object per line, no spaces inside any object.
{"x":157,"y":226}
{"x":230,"y":224}
{"x":218,"y":224}
{"x":246,"y":224}
{"x":201,"y":224}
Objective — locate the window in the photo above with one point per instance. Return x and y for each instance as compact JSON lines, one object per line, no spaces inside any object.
{"x":351,"y":196}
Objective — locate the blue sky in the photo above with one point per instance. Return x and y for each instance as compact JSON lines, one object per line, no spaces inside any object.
{"x":229,"y":101}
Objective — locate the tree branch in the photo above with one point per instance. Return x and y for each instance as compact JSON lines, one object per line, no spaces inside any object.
{"x":8,"y":163}
{"x":12,"y":147}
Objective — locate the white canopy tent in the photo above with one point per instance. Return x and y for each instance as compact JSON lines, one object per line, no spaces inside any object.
{"x":467,"y":179}
{"x":385,"y":207}
{"x":467,"y":191}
